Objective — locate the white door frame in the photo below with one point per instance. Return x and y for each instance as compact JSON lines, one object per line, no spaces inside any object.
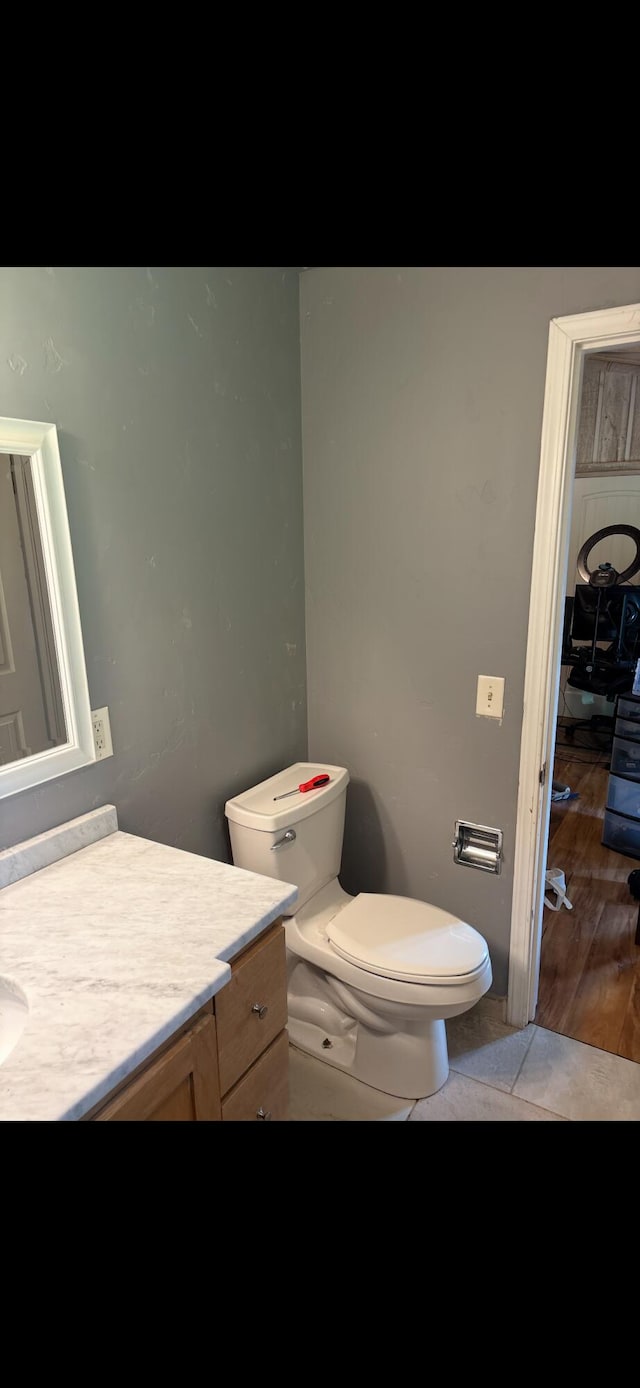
{"x":570,"y":339}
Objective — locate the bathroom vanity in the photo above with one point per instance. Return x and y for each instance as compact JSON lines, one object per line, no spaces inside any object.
{"x":154,"y":981}
{"x":230,"y":1061}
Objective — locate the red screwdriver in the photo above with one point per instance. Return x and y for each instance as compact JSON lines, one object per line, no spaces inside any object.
{"x":320,"y":780}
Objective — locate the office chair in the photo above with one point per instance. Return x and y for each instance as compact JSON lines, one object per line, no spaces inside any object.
{"x":606,"y":615}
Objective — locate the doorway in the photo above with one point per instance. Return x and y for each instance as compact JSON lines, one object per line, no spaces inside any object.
{"x":589,"y":983}
{"x":572,"y":342}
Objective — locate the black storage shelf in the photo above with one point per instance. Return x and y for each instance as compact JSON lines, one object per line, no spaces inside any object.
{"x":621,"y":829}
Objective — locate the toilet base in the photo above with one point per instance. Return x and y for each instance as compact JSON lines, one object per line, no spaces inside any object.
{"x":410,"y":1061}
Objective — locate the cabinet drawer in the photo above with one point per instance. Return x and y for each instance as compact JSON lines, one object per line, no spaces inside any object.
{"x":627,"y":727}
{"x":252,"y":1008}
{"x":624,"y":796}
{"x":621,"y":834}
{"x":629,"y":708}
{"x":263,"y":1093}
{"x":625,"y":758}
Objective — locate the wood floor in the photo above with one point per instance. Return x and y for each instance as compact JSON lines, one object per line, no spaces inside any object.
{"x":590,"y":965}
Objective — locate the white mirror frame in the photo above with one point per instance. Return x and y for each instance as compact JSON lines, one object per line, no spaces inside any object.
{"x":39,"y":442}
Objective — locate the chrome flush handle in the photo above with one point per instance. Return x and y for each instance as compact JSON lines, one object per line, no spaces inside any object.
{"x":288,"y":837}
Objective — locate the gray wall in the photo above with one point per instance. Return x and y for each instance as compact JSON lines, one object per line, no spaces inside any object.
{"x":177,"y":398}
{"x":422,"y":395}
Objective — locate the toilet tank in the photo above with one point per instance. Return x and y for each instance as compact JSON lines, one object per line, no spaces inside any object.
{"x":258,"y":822}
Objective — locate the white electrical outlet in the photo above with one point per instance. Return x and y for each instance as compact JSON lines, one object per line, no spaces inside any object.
{"x":101,"y":733}
{"x":490,"y":698}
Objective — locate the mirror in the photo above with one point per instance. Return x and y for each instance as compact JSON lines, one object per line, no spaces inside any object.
{"x":45,"y":714}
{"x":31,"y":712}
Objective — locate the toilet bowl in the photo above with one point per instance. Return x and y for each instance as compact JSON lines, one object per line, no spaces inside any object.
{"x":371,"y":978}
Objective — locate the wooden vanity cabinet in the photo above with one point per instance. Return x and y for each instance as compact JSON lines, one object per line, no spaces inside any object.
{"x":264,"y":1091}
{"x":230,"y":1062}
{"x":181,"y":1085}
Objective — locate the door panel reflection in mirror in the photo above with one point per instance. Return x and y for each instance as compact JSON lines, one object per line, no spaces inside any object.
{"x":31,"y":710}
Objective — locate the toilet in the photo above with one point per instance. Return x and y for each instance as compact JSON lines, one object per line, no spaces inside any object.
{"x":371,"y":978}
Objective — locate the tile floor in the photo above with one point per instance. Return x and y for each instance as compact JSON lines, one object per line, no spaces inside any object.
{"x":497,"y":1074}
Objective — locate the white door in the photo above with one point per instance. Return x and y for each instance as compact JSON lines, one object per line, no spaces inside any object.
{"x":23,"y":723}
{"x":600,"y":501}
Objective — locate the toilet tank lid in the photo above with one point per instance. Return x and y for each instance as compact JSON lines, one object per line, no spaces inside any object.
{"x":258,"y":808}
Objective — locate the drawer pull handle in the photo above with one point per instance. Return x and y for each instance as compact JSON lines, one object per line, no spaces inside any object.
{"x":263,"y":1113}
{"x":261,"y":1009}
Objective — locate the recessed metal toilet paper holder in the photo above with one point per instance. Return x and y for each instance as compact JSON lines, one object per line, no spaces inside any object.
{"x":478,"y":846}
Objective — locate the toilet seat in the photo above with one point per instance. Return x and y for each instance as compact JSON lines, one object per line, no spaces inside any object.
{"x":400,"y":938}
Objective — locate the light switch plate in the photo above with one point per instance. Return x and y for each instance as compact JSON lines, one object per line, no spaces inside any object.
{"x":490,"y":698}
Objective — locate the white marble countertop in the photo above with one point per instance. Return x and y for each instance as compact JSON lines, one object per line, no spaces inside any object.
{"x":116,"y":946}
